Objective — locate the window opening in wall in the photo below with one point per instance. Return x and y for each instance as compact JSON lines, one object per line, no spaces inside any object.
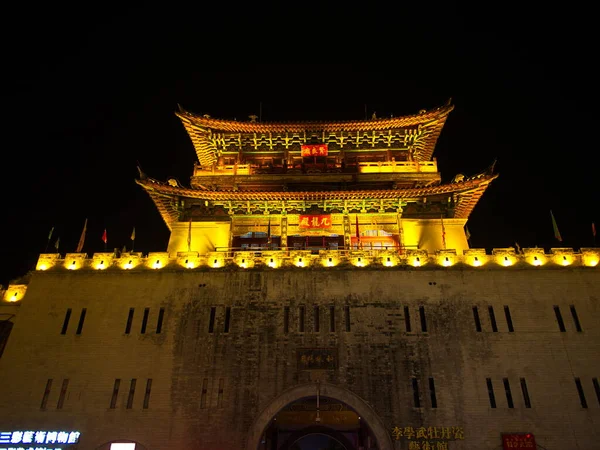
{"x":596,"y":388}
{"x":159,"y":323}
{"x":227,"y":319}
{"x":525,"y":393}
{"x":332,"y":319}
{"x":129,"y":321}
{"x":575,"y":318}
{"x":316,"y":319}
{"x":131,"y":393}
{"x":46,"y":394}
{"x":147,"y":393}
{"x":66,"y":321}
{"x":211,"y":319}
{"x":559,"y":319}
{"x":509,"y":398}
{"x":432,"y":392}
{"x":407,"y":319}
{"x":145,"y":320}
{"x":63,"y":393}
{"x":416,"y":399}
{"x":204,"y":392}
{"x":490,"y":389}
{"x":423,"y":320}
{"x":581,"y":393}
{"x":301,"y":319}
{"x":476,"y":317}
{"x":220,"y":393}
{"x":81,"y":320}
{"x":286,"y":319}
{"x":508,"y":319}
{"x":347,"y":318}
{"x":493,"y":319}
{"x":113,"y":400}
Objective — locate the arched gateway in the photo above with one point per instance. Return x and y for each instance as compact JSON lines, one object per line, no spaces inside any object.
{"x":360,"y":406}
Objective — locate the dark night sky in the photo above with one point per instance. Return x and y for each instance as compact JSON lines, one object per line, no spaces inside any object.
{"x":89,"y":93}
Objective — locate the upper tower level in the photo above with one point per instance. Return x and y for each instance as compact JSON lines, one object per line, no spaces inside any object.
{"x":270,"y":156}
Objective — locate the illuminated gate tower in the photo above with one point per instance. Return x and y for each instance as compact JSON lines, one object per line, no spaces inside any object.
{"x":316,"y":186}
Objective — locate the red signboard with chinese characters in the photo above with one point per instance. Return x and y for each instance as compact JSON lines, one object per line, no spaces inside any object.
{"x":518,"y":441}
{"x":315,"y":221}
{"x":314,"y":150}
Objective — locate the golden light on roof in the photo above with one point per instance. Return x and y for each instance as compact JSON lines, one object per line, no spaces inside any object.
{"x":14,"y":293}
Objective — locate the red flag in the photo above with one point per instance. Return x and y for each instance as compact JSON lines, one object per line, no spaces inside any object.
{"x":593,"y":229}
{"x":357,"y":233}
{"x":104,"y":237}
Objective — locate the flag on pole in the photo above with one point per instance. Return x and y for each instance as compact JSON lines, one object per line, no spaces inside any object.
{"x":467,"y":233}
{"x":50,"y":234}
{"x":104,"y":237}
{"x":443,"y":233}
{"x":189,"y":239}
{"x":555,"y":228}
{"x":57,"y":243}
{"x":518,"y":248}
{"x":593,"y":229}
{"x":82,"y":237}
{"x":133,"y":234}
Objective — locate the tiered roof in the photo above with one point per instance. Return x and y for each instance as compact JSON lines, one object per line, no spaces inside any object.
{"x":417,"y":133}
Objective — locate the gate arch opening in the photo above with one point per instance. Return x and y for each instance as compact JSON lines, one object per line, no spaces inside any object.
{"x":302,"y":397}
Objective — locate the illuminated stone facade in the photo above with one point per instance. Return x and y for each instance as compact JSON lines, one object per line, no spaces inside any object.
{"x":255,"y":330}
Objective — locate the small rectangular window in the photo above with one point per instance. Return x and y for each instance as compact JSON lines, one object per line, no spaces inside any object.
{"x":131,"y":393}
{"x":66,"y":321}
{"x":286,"y":319}
{"x":316,"y":319}
{"x":81,"y":320}
{"x":493,"y":319}
{"x":204,"y":393}
{"x":145,"y":320}
{"x":113,"y":400}
{"x":332,"y":319}
{"x":575,"y":318}
{"x":301,"y":319}
{"x":490,"y":389}
{"x":347,"y":317}
{"x":159,"y":323}
{"x":508,"y":319}
{"x":559,"y":319}
{"x":129,"y":321}
{"x":63,"y":393}
{"x":509,"y":398}
{"x":220,"y":393}
{"x":596,"y":388}
{"x":581,"y":393}
{"x":46,"y":394}
{"x":432,"y":392}
{"x":423,"y":320}
{"x":416,"y":399}
{"x":211,"y":319}
{"x":227,"y":319}
{"x":476,"y":317}
{"x":147,"y":393}
{"x":525,"y":393}
{"x":407,"y":319}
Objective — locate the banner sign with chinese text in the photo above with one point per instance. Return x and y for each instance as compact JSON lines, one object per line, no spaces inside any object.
{"x":517,"y":441}
{"x":314,"y":150}
{"x":38,"y":440}
{"x":315,"y":221}
{"x":428,"y":438}
{"x":317,"y":358}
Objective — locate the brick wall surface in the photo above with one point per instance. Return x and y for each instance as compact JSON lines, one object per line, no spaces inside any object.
{"x":257,"y":361}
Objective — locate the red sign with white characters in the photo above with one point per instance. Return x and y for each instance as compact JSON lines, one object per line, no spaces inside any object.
{"x":315,"y":221}
{"x":314,"y":150}
{"x":518,"y":441}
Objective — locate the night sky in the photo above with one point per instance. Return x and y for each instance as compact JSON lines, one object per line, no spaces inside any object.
{"x":91,"y":93}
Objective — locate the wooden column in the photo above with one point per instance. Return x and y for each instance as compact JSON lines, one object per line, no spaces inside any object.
{"x":283,"y":244}
{"x":347,"y":235}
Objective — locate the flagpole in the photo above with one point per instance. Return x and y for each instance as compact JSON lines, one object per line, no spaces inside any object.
{"x":49,"y":237}
{"x":132,"y":239}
